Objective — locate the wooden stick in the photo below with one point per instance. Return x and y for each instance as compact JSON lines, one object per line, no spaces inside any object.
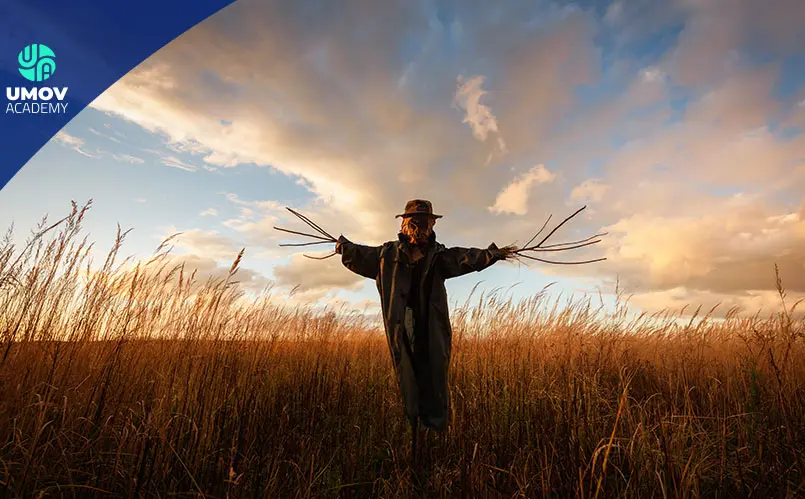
{"x":573,"y":242}
{"x":560,"y":263}
{"x":311,"y":223}
{"x":311,"y":244}
{"x":304,"y":234}
{"x":320,"y":257}
{"x":540,"y":231}
{"x":561,"y":224}
{"x":562,"y":249}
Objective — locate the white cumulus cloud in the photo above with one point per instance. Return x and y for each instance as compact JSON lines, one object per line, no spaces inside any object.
{"x":479,"y":116}
{"x":514,"y":197}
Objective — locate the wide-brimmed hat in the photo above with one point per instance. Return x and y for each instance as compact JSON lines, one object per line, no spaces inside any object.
{"x":418,"y":207}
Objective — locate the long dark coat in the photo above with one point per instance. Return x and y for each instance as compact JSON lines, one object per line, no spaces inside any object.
{"x":421,"y":364}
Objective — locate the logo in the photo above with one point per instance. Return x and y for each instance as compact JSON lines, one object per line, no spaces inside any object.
{"x":37,"y":62}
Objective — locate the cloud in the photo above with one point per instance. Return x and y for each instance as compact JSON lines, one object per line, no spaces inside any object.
{"x":74,"y":143}
{"x":716,"y":31}
{"x":208,"y":243}
{"x":267,"y":206}
{"x":652,"y":74}
{"x":514,"y":197}
{"x":78,"y":145}
{"x":209,"y":212}
{"x":306,"y":281}
{"x":257,"y":219}
{"x":743,"y":303}
{"x":100,"y":134}
{"x":208,"y":268}
{"x":728,"y":249}
{"x":614,"y":13}
{"x":592,"y":189}
{"x":306,"y":275}
{"x":128,"y":158}
{"x":479,"y":116}
{"x":175,"y":162}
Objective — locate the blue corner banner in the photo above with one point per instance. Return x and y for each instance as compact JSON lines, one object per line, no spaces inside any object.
{"x":56,"y":57}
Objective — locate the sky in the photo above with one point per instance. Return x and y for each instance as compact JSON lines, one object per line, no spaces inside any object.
{"x":678,"y":124}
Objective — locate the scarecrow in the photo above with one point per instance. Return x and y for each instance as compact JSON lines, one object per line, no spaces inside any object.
{"x":410,"y":274}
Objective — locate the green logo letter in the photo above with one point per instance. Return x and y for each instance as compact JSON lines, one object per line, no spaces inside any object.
{"x":37,"y":62}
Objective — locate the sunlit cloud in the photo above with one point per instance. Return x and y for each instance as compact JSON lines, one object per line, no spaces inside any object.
{"x":514,"y":197}
{"x":478,"y":116}
{"x":592,"y":189}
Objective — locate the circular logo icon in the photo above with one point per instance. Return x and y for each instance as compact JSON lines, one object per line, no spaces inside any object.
{"x":37,"y":62}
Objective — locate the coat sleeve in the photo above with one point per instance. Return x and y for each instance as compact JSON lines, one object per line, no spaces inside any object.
{"x":363,"y":260}
{"x":456,"y":261}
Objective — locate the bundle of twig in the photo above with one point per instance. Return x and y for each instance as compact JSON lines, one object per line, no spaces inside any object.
{"x":518,"y":253}
{"x":323,"y":236}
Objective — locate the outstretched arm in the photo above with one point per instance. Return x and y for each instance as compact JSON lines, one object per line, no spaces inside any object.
{"x":456,"y":261}
{"x":363,"y":260}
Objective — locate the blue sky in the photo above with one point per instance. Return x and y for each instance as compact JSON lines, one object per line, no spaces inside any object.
{"x":678,"y":124}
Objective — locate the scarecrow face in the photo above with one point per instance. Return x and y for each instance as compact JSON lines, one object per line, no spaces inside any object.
{"x":418,"y":228}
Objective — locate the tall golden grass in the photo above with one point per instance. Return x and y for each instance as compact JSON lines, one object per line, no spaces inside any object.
{"x":136,"y":379}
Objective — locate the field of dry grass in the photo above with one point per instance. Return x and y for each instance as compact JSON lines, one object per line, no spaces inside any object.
{"x":142,"y":380}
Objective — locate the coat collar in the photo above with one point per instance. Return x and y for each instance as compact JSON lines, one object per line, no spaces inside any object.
{"x":404,"y":248}
{"x":404,"y":239}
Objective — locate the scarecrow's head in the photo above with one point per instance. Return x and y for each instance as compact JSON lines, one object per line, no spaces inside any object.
{"x":418,"y":228}
{"x":418,"y":220}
